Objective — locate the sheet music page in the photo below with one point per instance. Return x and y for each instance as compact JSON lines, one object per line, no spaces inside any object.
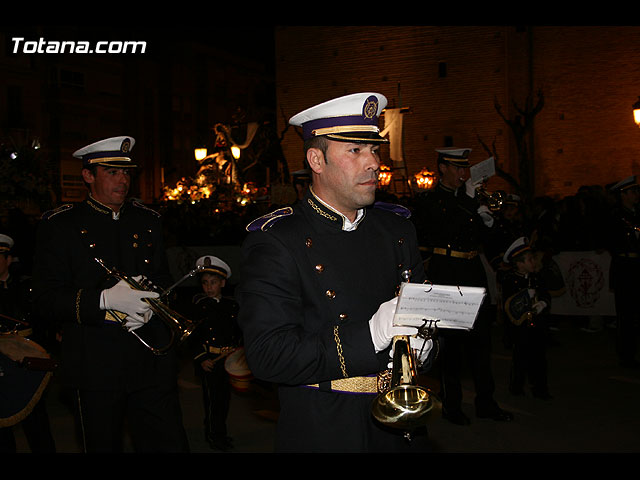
{"x":450,"y":306}
{"x":483,"y":170}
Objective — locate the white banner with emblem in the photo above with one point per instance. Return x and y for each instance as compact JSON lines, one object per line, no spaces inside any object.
{"x":586,"y":280}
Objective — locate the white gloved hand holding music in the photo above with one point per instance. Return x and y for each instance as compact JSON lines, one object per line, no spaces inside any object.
{"x":382,"y":328}
{"x":122,"y":298}
{"x":471,"y":187}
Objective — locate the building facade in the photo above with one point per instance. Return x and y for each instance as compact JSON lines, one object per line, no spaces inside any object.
{"x":454,"y":79}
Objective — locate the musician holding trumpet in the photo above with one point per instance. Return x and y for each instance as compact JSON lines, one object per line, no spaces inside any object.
{"x":318,"y":285}
{"x":452,"y":224}
{"x":112,"y":373}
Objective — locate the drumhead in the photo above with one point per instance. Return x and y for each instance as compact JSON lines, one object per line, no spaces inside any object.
{"x":236,"y":364}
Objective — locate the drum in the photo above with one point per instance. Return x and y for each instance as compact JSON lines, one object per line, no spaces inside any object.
{"x":25,"y":370}
{"x":239,"y":374}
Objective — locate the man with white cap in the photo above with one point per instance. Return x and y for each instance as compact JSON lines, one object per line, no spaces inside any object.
{"x":452,"y":225}
{"x":318,"y":286}
{"x":216,"y":336}
{"x":624,"y":246}
{"x":107,"y":366}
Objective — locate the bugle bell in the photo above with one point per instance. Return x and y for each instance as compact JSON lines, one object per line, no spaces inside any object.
{"x":179,"y":326}
{"x":494,"y":200}
{"x":404,"y":404}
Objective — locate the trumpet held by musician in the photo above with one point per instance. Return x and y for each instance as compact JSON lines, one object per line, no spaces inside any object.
{"x":102,"y":362}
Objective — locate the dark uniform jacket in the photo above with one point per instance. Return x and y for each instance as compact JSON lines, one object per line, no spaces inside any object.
{"x":518,"y":303}
{"x":97,"y":353}
{"x":307,"y":292}
{"x":450,"y":234}
{"x":624,"y":246}
{"x":217,"y":327}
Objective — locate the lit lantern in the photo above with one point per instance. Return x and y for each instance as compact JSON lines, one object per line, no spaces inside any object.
{"x":235,"y":151}
{"x":384,"y":177}
{"x":424,"y":179}
{"x":636,"y":112}
{"x":200,"y":154}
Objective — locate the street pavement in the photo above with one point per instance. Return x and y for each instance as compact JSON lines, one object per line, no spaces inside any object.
{"x":594,"y":409}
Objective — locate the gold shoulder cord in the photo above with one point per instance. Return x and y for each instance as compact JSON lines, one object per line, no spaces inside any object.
{"x":336,"y":337}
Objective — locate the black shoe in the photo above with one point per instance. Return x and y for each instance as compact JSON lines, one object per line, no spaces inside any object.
{"x":456,"y":417}
{"x":496,"y":414}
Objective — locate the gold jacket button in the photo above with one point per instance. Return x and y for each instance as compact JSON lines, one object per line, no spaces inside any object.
{"x":319,"y":268}
{"x":330,"y":294}
{"x":308,"y":242}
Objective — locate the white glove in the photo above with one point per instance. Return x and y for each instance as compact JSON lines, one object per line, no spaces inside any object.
{"x":123,"y":298}
{"x":382,"y":328}
{"x":421,"y":348}
{"x":539,"y":306}
{"x":471,"y":187}
{"x":486,"y":216}
{"x":131,"y":323}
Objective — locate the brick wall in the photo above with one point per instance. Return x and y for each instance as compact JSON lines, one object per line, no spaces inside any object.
{"x":589,"y":77}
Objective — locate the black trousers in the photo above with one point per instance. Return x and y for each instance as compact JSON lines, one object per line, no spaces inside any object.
{"x":627,"y":324}
{"x":529,"y":359}
{"x":625,"y":280}
{"x":216,"y":395}
{"x":314,"y":421}
{"x":472,"y":349}
{"x":151,"y":414}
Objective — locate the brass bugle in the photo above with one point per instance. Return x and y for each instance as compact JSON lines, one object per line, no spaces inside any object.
{"x":179,"y":326}
{"x":405,"y":404}
{"x":494,"y":200}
